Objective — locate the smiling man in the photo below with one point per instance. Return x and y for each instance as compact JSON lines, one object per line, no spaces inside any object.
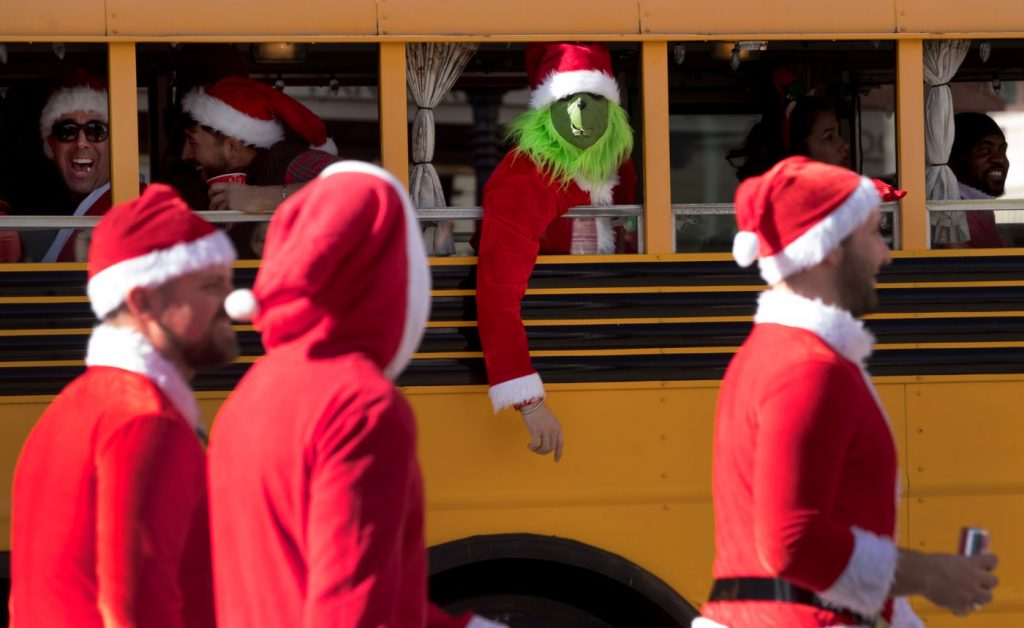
{"x":74,"y":126}
{"x":978,"y":159}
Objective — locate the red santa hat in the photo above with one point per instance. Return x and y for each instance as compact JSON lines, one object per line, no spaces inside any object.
{"x":343,"y":265}
{"x":792,"y":216}
{"x":557,"y":70}
{"x":83,"y":92}
{"x":255,"y":113}
{"x":147,"y":242}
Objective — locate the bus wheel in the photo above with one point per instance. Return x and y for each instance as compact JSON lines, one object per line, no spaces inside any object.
{"x":534,"y":581}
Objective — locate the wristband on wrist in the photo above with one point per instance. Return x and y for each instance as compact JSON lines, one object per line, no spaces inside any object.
{"x":530,"y":405}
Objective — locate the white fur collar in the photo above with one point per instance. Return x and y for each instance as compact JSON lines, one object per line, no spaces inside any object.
{"x":968,"y":192}
{"x":127,"y":349}
{"x":837,"y":327}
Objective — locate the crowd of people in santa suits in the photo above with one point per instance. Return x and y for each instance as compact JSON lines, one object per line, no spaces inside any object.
{"x":307,"y":506}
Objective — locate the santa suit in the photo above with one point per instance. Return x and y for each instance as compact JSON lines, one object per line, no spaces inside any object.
{"x":522,"y":209}
{"x":805,"y":470}
{"x":109,"y":521}
{"x":315,"y":489}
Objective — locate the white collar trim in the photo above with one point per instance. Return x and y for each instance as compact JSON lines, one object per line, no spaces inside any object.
{"x":837,"y":327}
{"x":124,"y":348}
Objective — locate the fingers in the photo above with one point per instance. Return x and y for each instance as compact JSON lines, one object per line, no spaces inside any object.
{"x":987,"y":562}
{"x":559,"y":446}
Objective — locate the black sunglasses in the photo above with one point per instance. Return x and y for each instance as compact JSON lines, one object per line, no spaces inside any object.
{"x":67,"y":130}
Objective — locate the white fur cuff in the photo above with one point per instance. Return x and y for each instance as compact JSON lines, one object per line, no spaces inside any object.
{"x":903,"y":616}
{"x":864,"y":585}
{"x":513,"y":391}
{"x":704,"y":622}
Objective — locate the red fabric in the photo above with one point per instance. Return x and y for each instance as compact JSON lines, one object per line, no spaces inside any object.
{"x":802,"y":452}
{"x":10,"y":243}
{"x":158,"y":219}
{"x":984,"y":232}
{"x":98,"y":208}
{"x":308,"y":165}
{"x":547,"y":58}
{"x":109,"y":511}
{"x":316,"y":497}
{"x":521,"y":220}
{"x":254,"y":99}
{"x":815,"y":187}
{"x":888,"y":192}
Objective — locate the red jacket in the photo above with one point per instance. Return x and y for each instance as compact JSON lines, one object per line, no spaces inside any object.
{"x":316,"y":497}
{"x":521,"y":220}
{"x":109,"y":511}
{"x":805,"y":467}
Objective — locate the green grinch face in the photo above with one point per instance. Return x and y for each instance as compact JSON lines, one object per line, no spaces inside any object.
{"x":581,"y":119}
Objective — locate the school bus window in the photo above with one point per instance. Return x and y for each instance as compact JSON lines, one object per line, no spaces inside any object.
{"x":196,"y":99}
{"x":975,"y":182}
{"x":473,"y":131}
{"x":54,"y":144}
{"x":738,"y":107}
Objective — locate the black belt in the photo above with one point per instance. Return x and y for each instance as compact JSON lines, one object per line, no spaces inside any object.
{"x":776,"y":590}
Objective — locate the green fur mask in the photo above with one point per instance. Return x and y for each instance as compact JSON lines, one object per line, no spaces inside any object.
{"x":535,"y":136}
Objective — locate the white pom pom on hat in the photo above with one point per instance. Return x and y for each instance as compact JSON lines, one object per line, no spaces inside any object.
{"x":241,"y":305}
{"x":745,"y":248}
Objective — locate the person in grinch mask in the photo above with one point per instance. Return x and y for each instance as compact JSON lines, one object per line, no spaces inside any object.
{"x":571,"y":148}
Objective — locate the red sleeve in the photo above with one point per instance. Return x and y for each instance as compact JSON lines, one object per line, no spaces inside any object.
{"x":516,"y":214}
{"x":307,"y":166}
{"x":437,"y":618}
{"x":150,"y":479}
{"x":362,"y":482}
{"x":801,"y":444}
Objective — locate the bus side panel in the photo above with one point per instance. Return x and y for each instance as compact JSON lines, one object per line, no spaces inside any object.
{"x":965,"y":466}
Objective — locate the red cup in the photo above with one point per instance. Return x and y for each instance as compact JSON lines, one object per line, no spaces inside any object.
{"x":231,"y":177}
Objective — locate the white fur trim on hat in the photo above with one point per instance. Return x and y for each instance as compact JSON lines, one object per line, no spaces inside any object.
{"x":328,"y":147}
{"x":241,"y":305}
{"x":513,"y":391}
{"x":417,"y":310}
{"x":108,"y":288}
{"x":818,"y":241}
{"x":864,"y":584}
{"x":222,"y":117}
{"x":561,"y":84}
{"x":69,"y":100}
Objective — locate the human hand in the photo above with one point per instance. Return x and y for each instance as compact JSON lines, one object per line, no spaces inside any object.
{"x":545,"y":432}
{"x":252,"y":199}
{"x":961,"y":584}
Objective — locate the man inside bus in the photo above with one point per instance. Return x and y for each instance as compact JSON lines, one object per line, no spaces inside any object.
{"x":240,"y":125}
{"x":109,"y":513}
{"x":805,"y":470}
{"x":978,"y":159}
{"x":74,"y":126}
{"x":572,"y":148}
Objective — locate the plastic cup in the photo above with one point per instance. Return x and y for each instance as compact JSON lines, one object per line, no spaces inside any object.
{"x":231,"y":177}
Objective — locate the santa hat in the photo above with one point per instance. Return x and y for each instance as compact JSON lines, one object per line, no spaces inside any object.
{"x":343,"y":265}
{"x":557,"y":70}
{"x":255,"y":113}
{"x":85,"y":93}
{"x":148,"y":242}
{"x":795,"y":214}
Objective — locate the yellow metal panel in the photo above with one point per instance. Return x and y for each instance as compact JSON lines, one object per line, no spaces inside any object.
{"x":241,"y":17}
{"x":525,"y":17}
{"x":394,"y":117}
{"x":957,"y":16}
{"x":658,"y":228}
{"x":756,"y":16}
{"x":910,"y":143}
{"x":124,"y":122}
{"x":52,"y":17}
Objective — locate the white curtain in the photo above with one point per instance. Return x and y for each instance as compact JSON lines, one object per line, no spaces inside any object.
{"x":942,"y":58}
{"x":431,"y":70}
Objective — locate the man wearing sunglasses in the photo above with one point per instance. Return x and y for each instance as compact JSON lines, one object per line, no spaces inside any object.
{"x":74,"y":126}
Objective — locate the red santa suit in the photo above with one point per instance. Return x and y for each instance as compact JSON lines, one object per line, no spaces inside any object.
{"x":109,"y":517}
{"x":522,"y":218}
{"x":805,"y":477}
{"x":316,"y":496}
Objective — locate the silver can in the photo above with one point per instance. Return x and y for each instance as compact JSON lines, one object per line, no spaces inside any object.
{"x":974,"y":541}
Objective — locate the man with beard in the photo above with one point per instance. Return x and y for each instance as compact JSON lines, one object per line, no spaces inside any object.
{"x":109,"y":515}
{"x":805,"y":474}
{"x":978,"y":159}
{"x":572,"y":148}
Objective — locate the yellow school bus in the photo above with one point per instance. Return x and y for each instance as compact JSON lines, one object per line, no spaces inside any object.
{"x":632,"y":347}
